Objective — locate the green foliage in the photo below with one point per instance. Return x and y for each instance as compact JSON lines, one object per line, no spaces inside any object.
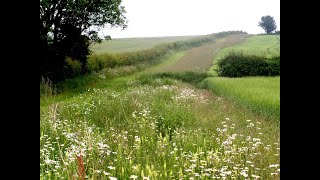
{"x":188,"y":76}
{"x":268,"y":24}
{"x":73,"y":67}
{"x":237,"y":64}
{"x":170,"y":116}
{"x":80,"y":83}
{"x":154,"y":80}
{"x":68,"y":27}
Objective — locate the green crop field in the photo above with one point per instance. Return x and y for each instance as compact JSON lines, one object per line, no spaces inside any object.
{"x":143,"y":126}
{"x":134,"y":44}
{"x":261,"y":94}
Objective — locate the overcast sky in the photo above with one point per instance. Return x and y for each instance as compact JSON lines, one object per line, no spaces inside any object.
{"x":151,"y":18}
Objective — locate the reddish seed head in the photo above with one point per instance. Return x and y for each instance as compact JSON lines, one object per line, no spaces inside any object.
{"x":81,"y":170}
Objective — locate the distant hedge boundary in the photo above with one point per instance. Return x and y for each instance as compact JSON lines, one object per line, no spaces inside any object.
{"x":238,"y":64}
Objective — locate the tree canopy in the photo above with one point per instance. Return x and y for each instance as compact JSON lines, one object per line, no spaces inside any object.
{"x":67,"y":27}
{"x":268,"y":24}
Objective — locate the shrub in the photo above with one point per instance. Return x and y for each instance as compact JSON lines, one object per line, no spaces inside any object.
{"x":189,"y":76}
{"x":73,"y":68}
{"x":237,"y":64}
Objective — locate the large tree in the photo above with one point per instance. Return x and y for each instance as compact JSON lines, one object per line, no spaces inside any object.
{"x":268,"y":24}
{"x":67,"y":27}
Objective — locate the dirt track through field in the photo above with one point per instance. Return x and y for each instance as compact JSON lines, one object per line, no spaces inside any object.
{"x":200,"y":58}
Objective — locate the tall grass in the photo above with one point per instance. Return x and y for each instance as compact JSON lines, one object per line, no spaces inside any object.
{"x":261,"y":94}
{"x":188,"y":76}
{"x":163,"y":131}
{"x":47,"y":90}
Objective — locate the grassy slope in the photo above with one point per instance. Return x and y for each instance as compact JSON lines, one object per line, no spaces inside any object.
{"x":199,"y":58}
{"x":261,"y":94}
{"x":134,"y":44}
{"x":267,"y":45}
{"x":172,"y":59}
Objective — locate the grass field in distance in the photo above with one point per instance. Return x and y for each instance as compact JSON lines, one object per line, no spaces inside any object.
{"x":134,"y":44}
{"x":264,"y":45}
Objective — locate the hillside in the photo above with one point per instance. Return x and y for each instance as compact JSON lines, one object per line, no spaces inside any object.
{"x":200,"y":58}
{"x":133,"y":44}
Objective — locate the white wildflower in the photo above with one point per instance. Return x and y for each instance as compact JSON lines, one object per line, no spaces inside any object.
{"x":133,"y":177}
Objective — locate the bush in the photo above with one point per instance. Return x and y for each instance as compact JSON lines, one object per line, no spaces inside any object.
{"x":239,"y":65}
{"x":189,"y":76}
{"x":73,"y":68}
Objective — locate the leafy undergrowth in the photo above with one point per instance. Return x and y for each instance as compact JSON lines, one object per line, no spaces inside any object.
{"x":160,"y":129}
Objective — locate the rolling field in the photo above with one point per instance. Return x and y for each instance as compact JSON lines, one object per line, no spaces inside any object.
{"x":200,"y":58}
{"x":141,"y":127}
{"x":258,"y":45}
{"x":261,"y":94}
{"x":266,"y":45}
{"x":134,"y":44}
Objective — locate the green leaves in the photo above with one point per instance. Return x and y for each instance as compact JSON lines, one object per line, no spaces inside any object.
{"x":268,"y":24}
{"x":70,"y":26}
{"x":238,"y":65}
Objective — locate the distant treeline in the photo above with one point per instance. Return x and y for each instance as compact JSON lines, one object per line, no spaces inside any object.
{"x":97,"y":62}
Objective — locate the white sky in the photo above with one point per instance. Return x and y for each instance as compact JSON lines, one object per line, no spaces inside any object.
{"x":151,"y":18}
